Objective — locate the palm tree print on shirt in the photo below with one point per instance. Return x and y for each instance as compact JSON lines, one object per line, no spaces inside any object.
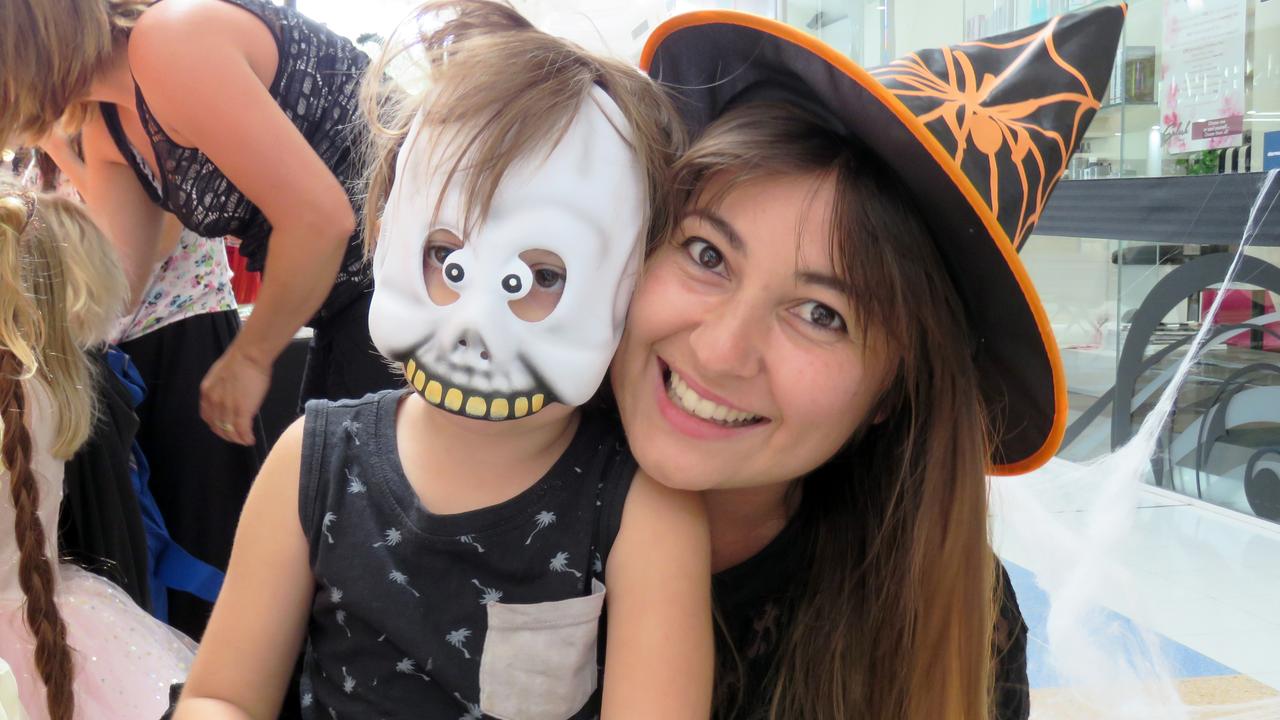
{"x":473,"y":709}
{"x":402,"y":580}
{"x":354,"y":486}
{"x":470,"y":540}
{"x":390,"y":538}
{"x":560,"y":563}
{"x":335,"y":595}
{"x":408,"y":667}
{"x":352,"y":427}
{"x":489,"y":595}
{"x":457,"y":638}
{"x":341,"y":617}
{"x":348,"y":682}
{"x":329,"y":519}
{"x":543,"y":519}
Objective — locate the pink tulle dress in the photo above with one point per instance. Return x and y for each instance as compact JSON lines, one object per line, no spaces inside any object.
{"x":124,"y":659}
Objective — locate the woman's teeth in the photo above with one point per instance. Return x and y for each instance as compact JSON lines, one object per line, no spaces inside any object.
{"x":694,"y":404}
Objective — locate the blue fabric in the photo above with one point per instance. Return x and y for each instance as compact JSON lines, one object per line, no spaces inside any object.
{"x":169,"y":565}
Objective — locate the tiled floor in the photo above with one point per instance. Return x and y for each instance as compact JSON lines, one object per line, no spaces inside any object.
{"x":1130,"y":557}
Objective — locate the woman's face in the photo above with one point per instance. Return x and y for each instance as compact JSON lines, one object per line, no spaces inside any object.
{"x":740,"y":366}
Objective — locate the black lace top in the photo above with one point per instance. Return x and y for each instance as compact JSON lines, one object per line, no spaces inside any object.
{"x":317,"y":86}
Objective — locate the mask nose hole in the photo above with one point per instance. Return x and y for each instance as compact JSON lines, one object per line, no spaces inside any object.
{"x":470,"y":350}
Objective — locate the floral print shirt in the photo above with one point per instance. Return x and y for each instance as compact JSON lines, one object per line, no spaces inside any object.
{"x":194,"y":279}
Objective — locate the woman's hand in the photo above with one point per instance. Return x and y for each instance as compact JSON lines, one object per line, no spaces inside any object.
{"x":232,"y":393}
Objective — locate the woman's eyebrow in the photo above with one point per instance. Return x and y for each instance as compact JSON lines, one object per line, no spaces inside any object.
{"x":824,"y":280}
{"x":722,"y":226}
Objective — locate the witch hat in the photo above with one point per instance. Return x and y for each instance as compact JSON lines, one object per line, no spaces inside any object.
{"x":979,"y":132}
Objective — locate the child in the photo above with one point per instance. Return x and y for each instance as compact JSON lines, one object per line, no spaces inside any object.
{"x":444,"y":549}
{"x":95,"y":652}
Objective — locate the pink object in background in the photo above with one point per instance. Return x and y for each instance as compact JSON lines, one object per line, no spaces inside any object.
{"x":1241,"y":306}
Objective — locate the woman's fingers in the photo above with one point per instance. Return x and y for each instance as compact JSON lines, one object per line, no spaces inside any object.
{"x":231,"y":395}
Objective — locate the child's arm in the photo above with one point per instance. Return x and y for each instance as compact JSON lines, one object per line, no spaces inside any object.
{"x":247,"y":656}
{"x":660,"y":657}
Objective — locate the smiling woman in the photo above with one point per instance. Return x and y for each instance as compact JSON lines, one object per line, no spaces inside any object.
{"x":838,"y":342}
{"x":791,"y":350}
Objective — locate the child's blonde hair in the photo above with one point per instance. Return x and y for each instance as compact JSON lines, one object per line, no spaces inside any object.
{"x":76,"y":290}
{"x":60,"y":290}
{"x":509,"y":89}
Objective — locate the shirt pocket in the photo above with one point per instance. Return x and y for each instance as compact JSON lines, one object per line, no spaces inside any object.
{"x":539,"y":659}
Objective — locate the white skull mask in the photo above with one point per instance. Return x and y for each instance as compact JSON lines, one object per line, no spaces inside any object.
{"x":585,"y":202}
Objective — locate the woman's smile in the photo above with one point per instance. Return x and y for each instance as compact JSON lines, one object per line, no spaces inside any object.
{"x":696,"y":411}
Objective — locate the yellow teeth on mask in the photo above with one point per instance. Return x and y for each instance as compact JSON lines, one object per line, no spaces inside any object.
{"x":456,"y":400}
{"x":499,"y":409}
{"x":434,"y":392}
{"x":453,"y":399}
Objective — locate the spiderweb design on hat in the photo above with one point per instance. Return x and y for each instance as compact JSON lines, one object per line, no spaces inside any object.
{"x":1010,"y":110}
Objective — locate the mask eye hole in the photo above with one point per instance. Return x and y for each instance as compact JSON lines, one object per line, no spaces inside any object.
{"x":547,"y":287}
{"x":436,"y":266}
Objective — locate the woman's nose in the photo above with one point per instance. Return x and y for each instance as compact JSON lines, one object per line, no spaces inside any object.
{"x":727,"y":339}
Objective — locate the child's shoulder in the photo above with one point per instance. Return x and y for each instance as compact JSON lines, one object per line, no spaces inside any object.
{"x":341,"y":434}
{"x":372,"y":399}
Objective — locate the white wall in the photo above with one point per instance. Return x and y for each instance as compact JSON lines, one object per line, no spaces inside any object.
{"x":1266,"y":74}
{"x":919,"y":24}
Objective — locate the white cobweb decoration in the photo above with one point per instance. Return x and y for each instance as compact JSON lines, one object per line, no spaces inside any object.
{"x":1108,"y":667}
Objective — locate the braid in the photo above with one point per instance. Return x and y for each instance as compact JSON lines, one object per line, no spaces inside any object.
{"x":35,"y":573}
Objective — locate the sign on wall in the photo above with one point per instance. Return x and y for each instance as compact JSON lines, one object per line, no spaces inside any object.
{"x":1202,"y":74}
{"x":1271,"y":150}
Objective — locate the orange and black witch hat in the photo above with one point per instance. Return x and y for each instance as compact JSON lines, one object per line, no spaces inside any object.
{"x":980,"y":132}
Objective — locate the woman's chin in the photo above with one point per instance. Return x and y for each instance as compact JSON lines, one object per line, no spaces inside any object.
{"x":679,"y":473}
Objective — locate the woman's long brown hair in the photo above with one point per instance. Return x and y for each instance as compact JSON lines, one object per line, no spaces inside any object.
{"x":894,"y":615}
{"x":50,"y":53}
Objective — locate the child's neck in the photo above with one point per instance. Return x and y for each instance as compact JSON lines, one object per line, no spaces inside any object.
{"x":456,"y":464}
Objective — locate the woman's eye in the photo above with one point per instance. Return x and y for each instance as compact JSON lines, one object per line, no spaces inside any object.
{"x":704,"y":253}
{"x":815,"y":313}
{"x":548,"y":278}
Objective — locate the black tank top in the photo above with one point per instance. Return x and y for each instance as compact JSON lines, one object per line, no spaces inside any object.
{"x":494,"y":612}
{"x":317,"y":86}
